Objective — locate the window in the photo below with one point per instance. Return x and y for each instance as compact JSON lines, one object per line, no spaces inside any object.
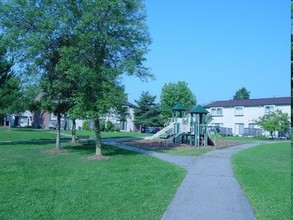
{"x":217,"y":111}
{"x":269,"y":109}
{"x":239,"y":111}
{"x":217,"y":125}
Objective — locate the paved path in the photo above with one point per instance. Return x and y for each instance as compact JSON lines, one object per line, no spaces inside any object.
{"x":209,"y":190}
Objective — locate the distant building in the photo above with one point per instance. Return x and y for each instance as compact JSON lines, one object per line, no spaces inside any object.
{"x":47,"y":120}
{"x":122,"y":123}
{"x":240,"y":115}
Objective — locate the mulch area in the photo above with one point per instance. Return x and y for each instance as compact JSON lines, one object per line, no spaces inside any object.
{"x":55,"y":151}
{"x":163,"y":144}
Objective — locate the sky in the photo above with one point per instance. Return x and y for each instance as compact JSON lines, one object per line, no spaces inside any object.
{"x":217,"y":47}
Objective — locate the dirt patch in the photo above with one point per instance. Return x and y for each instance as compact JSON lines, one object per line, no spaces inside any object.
{"x":167,"y":144}
{"x":98,"y":157}
{"x":56,"y":151}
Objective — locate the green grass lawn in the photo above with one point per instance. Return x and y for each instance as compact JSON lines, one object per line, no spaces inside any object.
{"x":264,"y":172}
{"x":110,"y":134}
{"x":25,"y":134}
{"x":243,"y":139}
{"x":29,"y":134}
{"x":38,"y":185}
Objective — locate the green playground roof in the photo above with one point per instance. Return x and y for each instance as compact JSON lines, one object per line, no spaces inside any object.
{"x":199,"y":110}
{"x":178,"y":107}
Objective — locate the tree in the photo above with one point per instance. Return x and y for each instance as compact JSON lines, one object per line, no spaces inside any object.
{"x":275,"y":121}
{"x":37,"y":42}
{"x":147,"y":112}
{"x":58,"y":84}
{"x":110,"y":39}
{"x":114,"y":43}
{"x":241,"y":94}
{"x":11,"y":96}
{"x":173,"y":93}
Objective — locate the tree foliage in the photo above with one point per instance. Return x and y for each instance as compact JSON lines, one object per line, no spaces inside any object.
{"x":11,"y":96}
{"x":81,"y":49}
{"x":147,"y":112}
{"x":241,"y":94}
{"x":275,"y":121}
{"x":173,"y":93}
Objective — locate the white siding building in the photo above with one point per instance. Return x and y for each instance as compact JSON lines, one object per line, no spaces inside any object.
{"x":241,"y":114}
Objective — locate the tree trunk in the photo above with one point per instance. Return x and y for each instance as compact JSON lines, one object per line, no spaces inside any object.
{"x":58,"y":147}
{"x":98,"y":136}
{"x":73,"y":132}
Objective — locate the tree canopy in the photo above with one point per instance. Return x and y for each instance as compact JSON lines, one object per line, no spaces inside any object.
{"x":11,"y":96}
{"x":241,"y":94}
{"x":87,"y":45}
{"x":173,"y":93}
{"x":147,"y":112}
{"x":275,"y":121}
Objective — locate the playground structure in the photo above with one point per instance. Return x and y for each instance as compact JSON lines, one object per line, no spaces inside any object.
{"x":188,"y":127}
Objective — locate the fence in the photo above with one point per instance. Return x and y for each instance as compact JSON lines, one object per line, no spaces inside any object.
{"x":253,"y":132}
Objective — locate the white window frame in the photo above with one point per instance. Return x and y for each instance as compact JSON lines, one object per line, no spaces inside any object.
{"x":239,"y":110}
{"x":217,"y":111}
{"x":269,"y":109}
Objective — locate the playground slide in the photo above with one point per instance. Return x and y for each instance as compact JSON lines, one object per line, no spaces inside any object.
{"x":163,"y":131}
{"x":210,"y":142}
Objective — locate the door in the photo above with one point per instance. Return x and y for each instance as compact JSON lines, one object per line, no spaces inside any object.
{"x":239,"y":128}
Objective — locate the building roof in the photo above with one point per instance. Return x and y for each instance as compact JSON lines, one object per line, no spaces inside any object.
{"x":251,"y":102}
{"x":129,"y":104}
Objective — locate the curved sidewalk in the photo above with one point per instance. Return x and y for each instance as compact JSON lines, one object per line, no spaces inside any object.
{"x":209,"y":190}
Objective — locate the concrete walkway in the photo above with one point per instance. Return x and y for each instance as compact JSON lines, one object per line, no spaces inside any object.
{"x":209,"y":190}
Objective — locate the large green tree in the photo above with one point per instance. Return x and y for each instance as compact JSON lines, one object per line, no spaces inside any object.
{"x":173,"y":93}
{"x":147,"y":112}
{"x":58,"y":84}
{"x":103,"y":41}
{"x":11,"y":95}
{"x":275,"y":121}
{"x":241,"y":94}
{"x":112,"y":40}
{"x":36,"y":37}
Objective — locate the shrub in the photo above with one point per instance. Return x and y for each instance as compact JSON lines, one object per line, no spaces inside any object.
{"x":110,"y":126}
{"x":103,"y":126}
{"x":86,"y":125}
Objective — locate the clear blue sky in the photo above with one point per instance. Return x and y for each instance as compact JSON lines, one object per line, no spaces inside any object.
{"x":217,"y":47}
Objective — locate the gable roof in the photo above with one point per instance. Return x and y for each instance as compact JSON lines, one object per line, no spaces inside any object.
{"x":251,"y":102}
{"x":129,"y":104}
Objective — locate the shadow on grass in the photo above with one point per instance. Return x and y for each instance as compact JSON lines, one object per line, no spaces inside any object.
{"x":33,"y":142}
{"x":90,"y":148}
{"x":79,"y":148}
{"x":25,"y":129}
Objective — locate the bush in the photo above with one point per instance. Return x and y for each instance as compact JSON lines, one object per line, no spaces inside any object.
{"x":86,"y":125}
{"x":103,"y":126}
{"x":110,"y":126}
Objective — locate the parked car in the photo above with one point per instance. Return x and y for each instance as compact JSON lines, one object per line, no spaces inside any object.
{"x":151,"y":130}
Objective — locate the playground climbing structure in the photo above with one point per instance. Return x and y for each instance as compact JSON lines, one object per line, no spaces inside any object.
{"x":187,"y":127}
